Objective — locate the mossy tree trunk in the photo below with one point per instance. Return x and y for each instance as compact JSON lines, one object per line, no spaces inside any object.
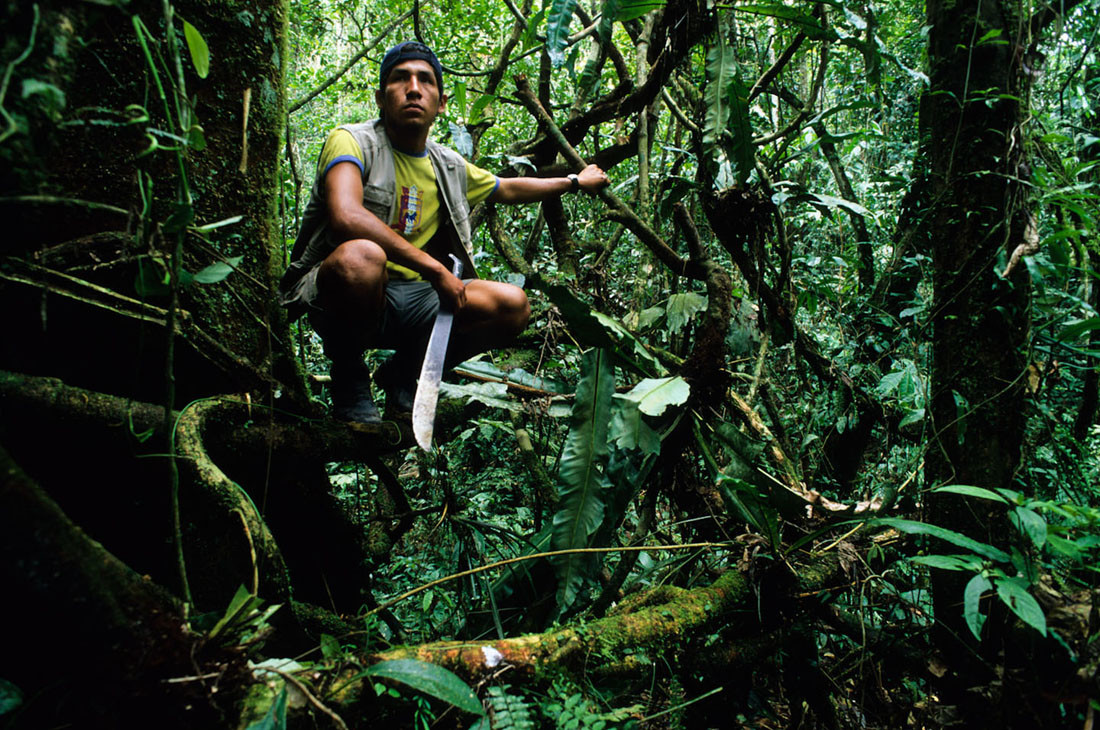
{"x":975,"y":215}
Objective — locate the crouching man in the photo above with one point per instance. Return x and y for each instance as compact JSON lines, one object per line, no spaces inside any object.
{"x":370,"y":266}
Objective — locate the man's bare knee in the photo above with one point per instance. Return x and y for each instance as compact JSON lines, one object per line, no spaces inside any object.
{"x":513,"y":309}
{"x":354,"y":260}
{"x":352,"y":276}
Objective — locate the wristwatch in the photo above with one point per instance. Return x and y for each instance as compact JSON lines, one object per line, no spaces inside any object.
{"x":575,"y":180}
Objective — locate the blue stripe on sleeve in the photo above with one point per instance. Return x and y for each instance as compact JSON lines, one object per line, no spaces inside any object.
{"x":345,"y":158}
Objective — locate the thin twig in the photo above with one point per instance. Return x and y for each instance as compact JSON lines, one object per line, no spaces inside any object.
{"x":347,"y":66}
{"x":336,"y":719}
{"x":549,"y":554}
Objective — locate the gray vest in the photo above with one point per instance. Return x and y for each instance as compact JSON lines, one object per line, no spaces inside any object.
{"x":315,"y":239}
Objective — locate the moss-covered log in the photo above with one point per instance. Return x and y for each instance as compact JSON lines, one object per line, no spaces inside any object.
{"x":647,"y":625}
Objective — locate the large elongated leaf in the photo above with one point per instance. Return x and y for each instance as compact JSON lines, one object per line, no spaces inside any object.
{"x":741,"y":152}
{"x":200,"y":52}
{"x":430,"y":679}
{"x":721,"y":65}
{"x":802,"y":21}
{"x":972,"y":595}
{"x":581,"y":479}
{"x":727,"y":124}
{"x":631,"y":9}
{"x":596,"y":329}
{"x":557,"y":29}
{"x":913,"y":527}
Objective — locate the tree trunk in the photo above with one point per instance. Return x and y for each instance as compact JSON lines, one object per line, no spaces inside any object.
{"x":975,"y":216}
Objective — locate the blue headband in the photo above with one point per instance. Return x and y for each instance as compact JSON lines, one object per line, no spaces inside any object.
{"x":408,"y":51}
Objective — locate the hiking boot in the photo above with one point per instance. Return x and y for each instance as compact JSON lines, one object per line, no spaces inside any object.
{"x":351,"y":396}
{"x":399,"y":385}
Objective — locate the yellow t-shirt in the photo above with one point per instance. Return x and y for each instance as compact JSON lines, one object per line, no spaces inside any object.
{"x":416,"y":216}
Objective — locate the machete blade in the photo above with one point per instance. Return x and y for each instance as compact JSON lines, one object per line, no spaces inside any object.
{"x":431,"y":374}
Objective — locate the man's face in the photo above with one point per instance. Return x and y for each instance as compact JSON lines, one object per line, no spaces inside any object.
{"x":411,"y":96}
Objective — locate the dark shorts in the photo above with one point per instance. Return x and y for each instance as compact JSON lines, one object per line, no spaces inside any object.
{"x":407,"y":321}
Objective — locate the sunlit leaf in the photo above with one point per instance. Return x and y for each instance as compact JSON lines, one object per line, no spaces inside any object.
{"x":462,"y":139}
{"x":654,"y":395}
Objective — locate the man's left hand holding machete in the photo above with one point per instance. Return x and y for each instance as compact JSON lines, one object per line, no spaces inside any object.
{"x":389,"y":208}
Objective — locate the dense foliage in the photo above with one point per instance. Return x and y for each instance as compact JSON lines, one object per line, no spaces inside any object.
{"x":804,"y":431}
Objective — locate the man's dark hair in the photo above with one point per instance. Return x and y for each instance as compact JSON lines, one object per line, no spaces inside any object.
{"x":408,"y":51}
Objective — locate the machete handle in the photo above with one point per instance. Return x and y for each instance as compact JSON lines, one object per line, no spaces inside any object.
{"x":457,"y":268}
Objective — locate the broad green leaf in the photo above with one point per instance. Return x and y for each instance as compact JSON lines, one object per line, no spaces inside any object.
{"x":1022,"y":603}
{"x":630,"y":431}
{"x":972,"y":595}
{"x":275,"y":719}
{"x":242,"y":601}
{"x":557,"y":29}
{"x":200,"y":52}
{"x":948,"y":562}
{"x":217,"y":271}
{"x":1031,"y":524}
{"x":430,"y":679}
{"x":682,"y":308}
{"x":802,"y":21}
{"x":653,"y":395}
{"x":581,"y":479}
{"x":913,"y":527}
{"x":462,"y":139}
{"x":969,"y":491}
{"x":632,"y":9}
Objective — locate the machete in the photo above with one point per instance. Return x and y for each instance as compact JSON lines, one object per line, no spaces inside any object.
{"x":431,"y":373}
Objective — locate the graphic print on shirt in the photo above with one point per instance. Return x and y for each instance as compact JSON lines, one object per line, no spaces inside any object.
{"x":408,"y":215}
